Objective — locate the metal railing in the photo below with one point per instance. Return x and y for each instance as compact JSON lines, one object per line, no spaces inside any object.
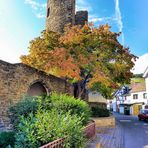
{"x":55,"y":144}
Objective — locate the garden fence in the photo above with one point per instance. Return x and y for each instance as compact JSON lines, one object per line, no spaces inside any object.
{"x":89,"y":133}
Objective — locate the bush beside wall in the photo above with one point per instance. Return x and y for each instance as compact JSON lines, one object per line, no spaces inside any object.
{"x":7,"y":139}
{"x":100,"y":112}
{"x":24,"y":107}
{"x":41,"y":120}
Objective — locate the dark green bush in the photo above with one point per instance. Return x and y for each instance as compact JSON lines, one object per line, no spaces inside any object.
{"x":61,"y":102}
{"x":100,"y":112}
{"x":67,"y":103}
{"x":23,"y":107}
{"x":7,"y":139}
{"x":47,"y":126}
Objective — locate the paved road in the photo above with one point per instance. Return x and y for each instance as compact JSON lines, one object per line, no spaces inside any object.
{"x":135,"y":133}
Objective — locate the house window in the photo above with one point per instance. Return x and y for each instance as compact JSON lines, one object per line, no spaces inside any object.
{"x":145,"y":96}
{"x":135,"y":96}
{"x":48,"y":12}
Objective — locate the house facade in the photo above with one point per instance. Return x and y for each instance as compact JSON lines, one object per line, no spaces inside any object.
{"x":119,"y":99}
{"x":137,"y":98}
{"x":130,"y":99}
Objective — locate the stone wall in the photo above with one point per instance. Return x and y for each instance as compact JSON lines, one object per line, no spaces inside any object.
{"x":15,"y":80}
{"x":97,"y":104}
{"x":105,"y":121}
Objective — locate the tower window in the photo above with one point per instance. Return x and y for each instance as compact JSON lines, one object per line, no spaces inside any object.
{"x":48,"y":12}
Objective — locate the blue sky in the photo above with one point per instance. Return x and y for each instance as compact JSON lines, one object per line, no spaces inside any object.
{"x":23,"y":20}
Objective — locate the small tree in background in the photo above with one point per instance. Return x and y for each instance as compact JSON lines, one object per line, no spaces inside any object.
{"x":87,"y":56}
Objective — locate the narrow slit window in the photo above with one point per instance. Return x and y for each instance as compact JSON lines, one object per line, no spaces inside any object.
{"x":48,"y":12}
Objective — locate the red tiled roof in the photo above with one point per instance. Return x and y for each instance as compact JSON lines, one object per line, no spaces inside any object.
{"x":138,"y":87}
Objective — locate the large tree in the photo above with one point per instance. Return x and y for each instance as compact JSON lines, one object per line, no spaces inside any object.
{"x":87,"y":56}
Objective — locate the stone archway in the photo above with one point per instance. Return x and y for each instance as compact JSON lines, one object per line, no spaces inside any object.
{"x":37,"y":89}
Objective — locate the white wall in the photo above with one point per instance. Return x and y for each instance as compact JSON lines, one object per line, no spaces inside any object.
{"x":129,"y":99}
{"x":146,"y":81}
{"x":114,"y":105}
{"x":121,"y":109}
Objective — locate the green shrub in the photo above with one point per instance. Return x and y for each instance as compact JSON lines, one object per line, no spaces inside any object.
{"x":100,"y":112}
{"x":60,"y":102}
{"x":41,"y":120}
{"x":23,"y":107}
{"x":47,"y":126}
{"x":67,"y":103}
{"x":7,"y":139}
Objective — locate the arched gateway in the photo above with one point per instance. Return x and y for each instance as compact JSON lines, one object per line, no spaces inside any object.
{"x":37,"y":89}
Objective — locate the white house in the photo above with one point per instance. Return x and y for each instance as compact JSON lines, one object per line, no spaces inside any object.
{"x":130,"y":101}
{"x":137,"y":94}
{"x":119,"y":99}
{"x":137,"y":98}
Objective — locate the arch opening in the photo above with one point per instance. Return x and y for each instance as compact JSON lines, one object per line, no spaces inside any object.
{"x":37,"y":89}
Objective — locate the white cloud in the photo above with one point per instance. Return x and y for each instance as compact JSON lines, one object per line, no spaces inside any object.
{"x":119,"y":19}
{"x":35,"y":5}
{"x":39,"y":15}
{"x":83,"y":5}
{"x":38,"y":8}
{"x":141,"y":64}
{"x":96,"y":19}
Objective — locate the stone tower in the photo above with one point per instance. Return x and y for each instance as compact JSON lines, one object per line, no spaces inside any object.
{"x":81,"y":17}
{"x":60,"y":13}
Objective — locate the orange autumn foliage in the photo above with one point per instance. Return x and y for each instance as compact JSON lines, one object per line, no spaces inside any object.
{"x":95,"y":51}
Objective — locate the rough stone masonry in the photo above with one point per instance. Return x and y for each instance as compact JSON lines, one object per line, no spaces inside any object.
{"x":17,"y":80}
{"x":62,"y":12}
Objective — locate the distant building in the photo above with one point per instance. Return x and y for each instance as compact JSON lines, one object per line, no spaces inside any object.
{"x":137,"y":98}
{"x":119,"y":99}
{"x":96,"y":99}
{"x":129,"y":100}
